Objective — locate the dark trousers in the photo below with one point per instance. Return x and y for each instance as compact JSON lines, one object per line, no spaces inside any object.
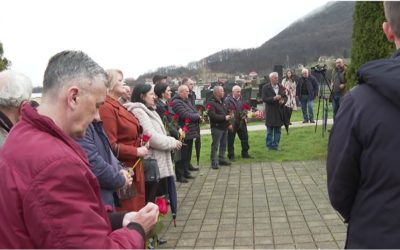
{"x":243,"y":136}
{"x":218,"y":145}
{"x":182,"y":166}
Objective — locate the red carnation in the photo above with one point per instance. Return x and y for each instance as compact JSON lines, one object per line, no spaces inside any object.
{"x":176,"y":116}
{"x":246,"y":106}
{"x":209,"y":107}
{"x":146,"y":138}
{"x":170,"y":104}
{"x":185,"y":129}
{"x":187,"y":121}
{"x":162,"y":205}
{"x":166,"y":113}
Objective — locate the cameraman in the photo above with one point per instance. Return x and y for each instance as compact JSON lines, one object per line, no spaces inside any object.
{"x":306,"y":91}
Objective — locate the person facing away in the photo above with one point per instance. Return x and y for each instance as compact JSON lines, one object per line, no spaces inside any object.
{"x":338,"y":83}
{"x":220,"y":123}
{"x":15,"y":90}
{"x":51,"y":199}
{"x":306,"y":91}
{"x":275,"y":98}
{"x":235,"y":103}
{"x":363,"y":151}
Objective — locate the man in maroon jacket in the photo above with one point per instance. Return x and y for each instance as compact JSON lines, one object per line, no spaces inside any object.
{"x":49,"y":198}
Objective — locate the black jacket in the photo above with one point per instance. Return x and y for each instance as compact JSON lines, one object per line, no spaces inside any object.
{"x":273,"y":110}
{"x":217,"y":111}
{"x":311,"y":84}
{"x":363,"y":164}
{"x":161,"y":109}
{"x":186,"y":110}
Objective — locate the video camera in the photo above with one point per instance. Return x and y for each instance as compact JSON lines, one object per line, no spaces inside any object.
{"x":319,"y":68}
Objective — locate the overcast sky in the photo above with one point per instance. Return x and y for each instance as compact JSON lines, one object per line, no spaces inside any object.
{"x":138,"y":36}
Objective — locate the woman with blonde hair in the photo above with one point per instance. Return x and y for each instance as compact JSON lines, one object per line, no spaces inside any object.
{"x":123,"y":131}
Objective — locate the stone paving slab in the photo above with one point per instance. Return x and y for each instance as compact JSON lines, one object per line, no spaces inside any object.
{"x":256,"y":206}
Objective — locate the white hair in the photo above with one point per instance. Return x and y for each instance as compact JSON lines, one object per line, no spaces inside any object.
{"x":304,"y":70}
{"x":273,"y":74}
{"x":236,"y":87}
{"x":15,"y":88}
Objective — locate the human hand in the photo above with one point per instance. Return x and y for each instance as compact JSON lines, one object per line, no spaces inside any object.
{"x":147,"y":217}
{"x":178,"y":145}
{"x":277,"y":97}
{"x":142,"y":151}
{"x":341,"y":86}
{"x":228,"y":117}
{"x":128,"y":177}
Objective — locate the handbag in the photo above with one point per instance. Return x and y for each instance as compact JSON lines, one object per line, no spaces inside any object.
{"x":151,"y":170}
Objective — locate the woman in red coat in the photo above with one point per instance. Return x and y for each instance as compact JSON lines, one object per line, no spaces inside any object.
{"x":123,"y":131}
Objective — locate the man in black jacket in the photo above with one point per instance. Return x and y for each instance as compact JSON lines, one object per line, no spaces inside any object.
{"x":234,"y":102}
{"x":219,"y":121}
{"x":275,"y":98}
{"x":363,"y":152}
{"x":306,"y":91}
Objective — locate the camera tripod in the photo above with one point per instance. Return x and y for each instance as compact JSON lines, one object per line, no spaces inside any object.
{"x":325,"y":101}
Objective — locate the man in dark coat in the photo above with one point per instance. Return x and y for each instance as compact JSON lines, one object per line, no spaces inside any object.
{"x":306,"y":91}
{"x":190,"y":118}
{"x":338,"y":83}
{"x":219,"y":121}
{"x":363,"y":152}
{"x":235,"y":103}
{"x":192,"y":95}
{"x":275,"y":98}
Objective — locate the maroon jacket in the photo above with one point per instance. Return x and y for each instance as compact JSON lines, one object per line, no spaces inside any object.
{"x":49,"y":198}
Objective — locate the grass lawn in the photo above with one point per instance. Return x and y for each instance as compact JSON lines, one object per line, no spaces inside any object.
{"x":301,"y":144}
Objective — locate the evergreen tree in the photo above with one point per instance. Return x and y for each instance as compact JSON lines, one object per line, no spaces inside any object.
{"x":368,"y":41}
{"x":4,"y":62}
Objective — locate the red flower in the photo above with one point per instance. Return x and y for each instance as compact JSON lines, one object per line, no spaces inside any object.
{"x":146,"y":138}
{"x":209,"y":107}
{"x":162,"y":205}
{"x":176,"y":116}
{"x":170,"y":104}
{"x":166,"y":113}
{"x":187,"y":121}
{"x":246,"y":106}
{"x":185,"y":129}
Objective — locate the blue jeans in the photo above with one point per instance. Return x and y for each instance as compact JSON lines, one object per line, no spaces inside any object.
{"x":273,"y":137}
{"x":336,"y":98}
{"x":307,"y":104}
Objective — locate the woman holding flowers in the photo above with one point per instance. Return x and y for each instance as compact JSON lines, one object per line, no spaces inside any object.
{"x":143,"y":106}
{"x":123,"y":131}
{"x":164,"y":109}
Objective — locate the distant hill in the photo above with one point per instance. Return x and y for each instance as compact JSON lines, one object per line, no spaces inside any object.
{"x":325,"y":32}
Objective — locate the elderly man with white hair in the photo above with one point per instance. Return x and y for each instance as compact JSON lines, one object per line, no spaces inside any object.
{"x":15,"y":90}
{"x":306,"y":91}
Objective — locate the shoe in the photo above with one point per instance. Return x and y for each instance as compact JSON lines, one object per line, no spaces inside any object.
{"x":214,"y":166}
{"x":247,"y":156}
{"x":312,"y":121}
{"x":224,"y":163}
{"x":162,"y":241}
{"x":191,"y":168}
{"x":189,"y":177}
{"x":305,"y":121}
{"x":182,"y":180}
{"x":290,"y":123}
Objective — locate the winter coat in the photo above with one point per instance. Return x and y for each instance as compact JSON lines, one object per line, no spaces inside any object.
{"x":160,"y":144}
{"x":290,"y":91}
{"x":102,"y":162}
{"x":186,"y":110}
{"x":237,"y":106}
{"x":217,"y":112}
{"x":123,"y":131}
{"x":273,"y":110}
{"x":363,"y":157}
{"x":312,"y":87}
{"x":161,"y":109}
{"x":5,"y":127}
{"x":49,"y":196}
{"x":336,"y":82}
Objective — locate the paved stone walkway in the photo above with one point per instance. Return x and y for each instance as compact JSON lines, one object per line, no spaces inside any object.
{"x":256,"y":205}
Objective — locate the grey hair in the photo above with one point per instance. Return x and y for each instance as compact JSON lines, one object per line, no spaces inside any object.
{"x":392,"y":14}
{"x":216,"y":89}
{"x":71,"y":66}
{"x":304,"y":70}
{"x":181,"y":88}
{"x":273,"y":74}
{"x":15,"y":88}
{"x":236,"y":87}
